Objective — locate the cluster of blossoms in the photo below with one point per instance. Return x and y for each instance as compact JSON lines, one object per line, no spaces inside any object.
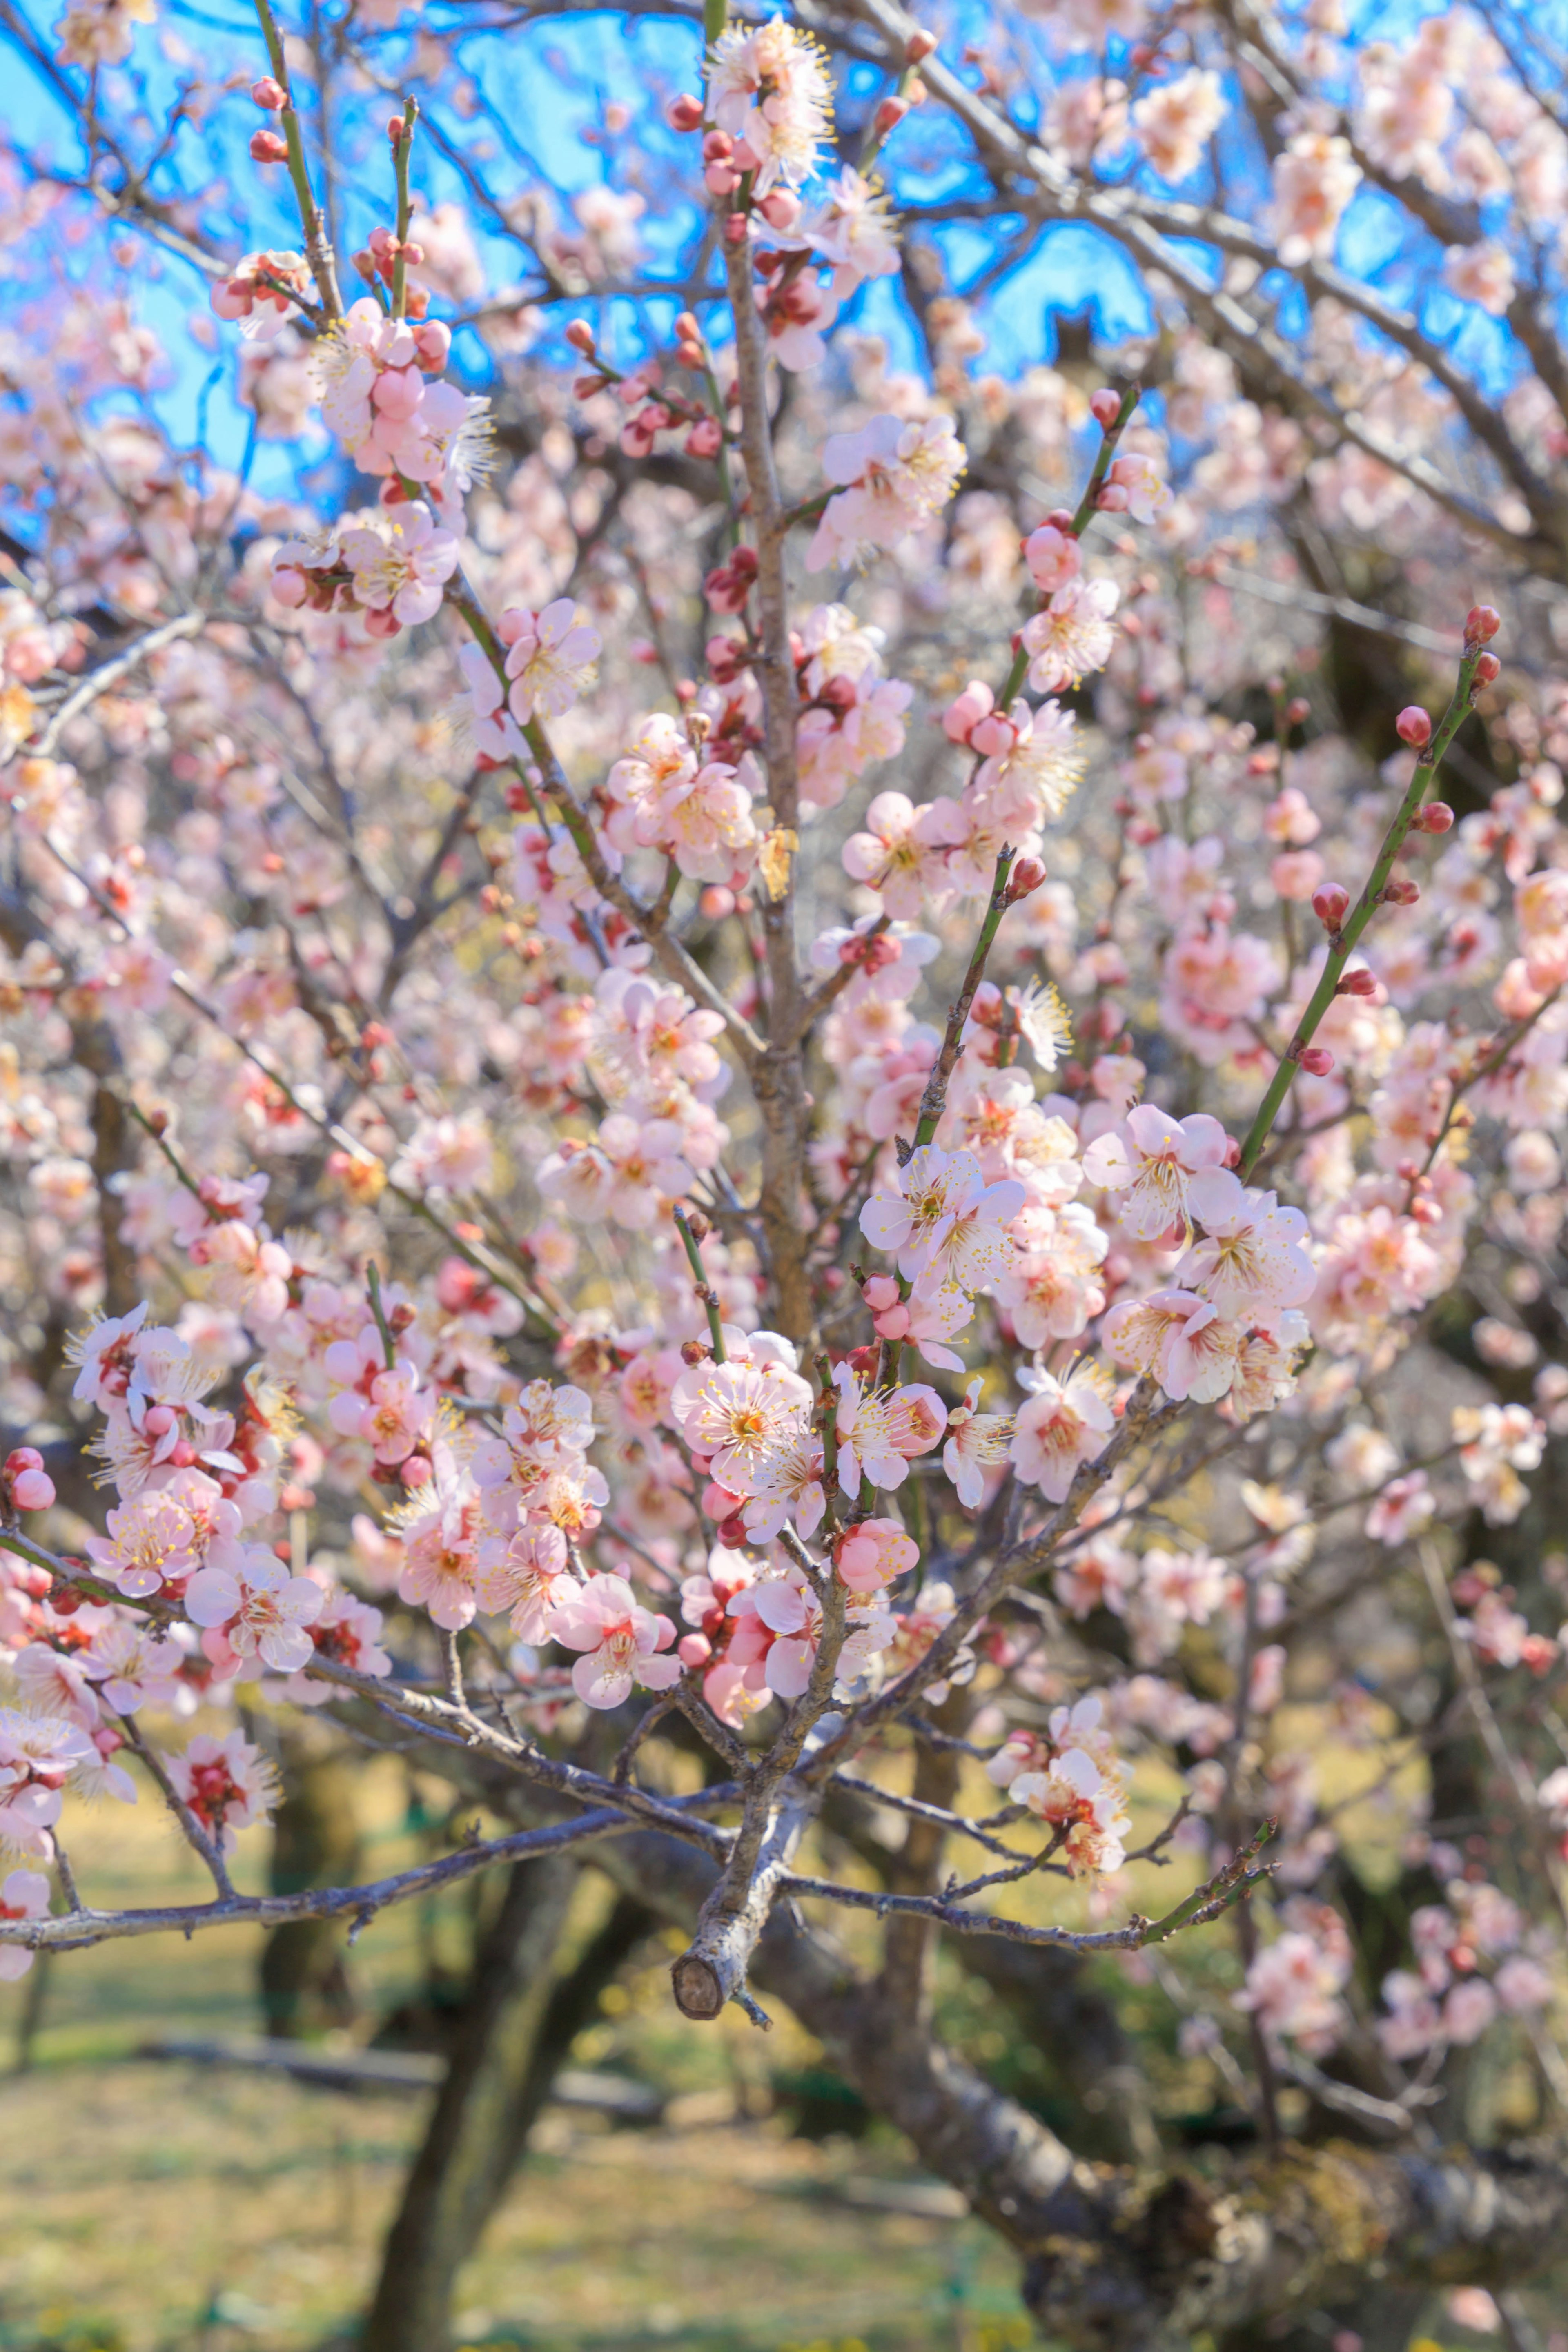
{"x":447,"y":957}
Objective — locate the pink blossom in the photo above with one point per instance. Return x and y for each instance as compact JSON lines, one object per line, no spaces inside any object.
{"x":1064,"y":1423}
{"x":24,"y":1894}
{"x":261,"y":1608}
{"x":620,"y":1640}
{"x":228,"y":1784}
{"x":1152,"y":1158}
{"x":549,"y":660}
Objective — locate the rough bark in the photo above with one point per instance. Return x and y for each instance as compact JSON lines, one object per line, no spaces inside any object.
{"x":450,"y":2188}
{"x":315,"y":1843}
{"x":1121,"y":2260}
{"x":515,"y":2032}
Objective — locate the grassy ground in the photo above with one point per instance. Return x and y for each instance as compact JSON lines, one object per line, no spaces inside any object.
{"x":159,"y":2207}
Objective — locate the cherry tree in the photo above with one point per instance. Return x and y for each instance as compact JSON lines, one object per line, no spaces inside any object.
{"x":800,"y":1104}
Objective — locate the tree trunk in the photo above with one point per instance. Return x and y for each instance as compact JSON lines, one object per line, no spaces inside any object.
{"x":315,"y":1843}
{"x":515,"y":2031}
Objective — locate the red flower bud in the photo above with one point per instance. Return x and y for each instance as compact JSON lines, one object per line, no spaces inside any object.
{"x":1026,"y":877}
{"x":270,"y":94}
{"x":1399,"y":894}
{"x":1413,"y":726}
{"x":266,"y":147}
{"x":718,"y":147}
{"x":1433,"y":816}
{"x":685,"y":112}
{"x":1488,"y":669}
{"x":1357,"y":983}
{"x":888,"y":115}
{"x":919,"y":46}
{"x":1482,"y":622}
{"x":1331,"y":904}
{"x":1316,"y":1060}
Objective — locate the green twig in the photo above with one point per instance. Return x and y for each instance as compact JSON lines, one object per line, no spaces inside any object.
{"x":1341,"y":945}
{"x":705,"y":1290}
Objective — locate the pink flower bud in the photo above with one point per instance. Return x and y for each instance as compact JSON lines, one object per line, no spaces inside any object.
{"x":1359,"y":982}
{"x":266,"y":147}
{"x":1105,"y":407}
{"x":721,"y":180}
{"x":1331,"y":904}
{"x":919,"y":46}
{"x":1436,"y":816}
{"x":23,"y":1457}
{"x":718,"y":147}
{"x":888,"y":115}
{"x":780,"y":210}
{"x":397,"y":393}
{"x":290,"y":586}
{"x":382,"y":625}
{"x":735,"y":229}
{"x":1053,"y":555}
{"x":580,"y":335}
{"x":1316,"y":1060}
{"x":1113,"y":500}
{"x":1482,"y":622}
{"x":32,"y":1490}
{"x":1026,"y":879}
{"x":685,"y":112}
{"x":1413,"y":726}
{"x":1399,"y":894}
{"x":965,"y":711}
{"x":416,"y":1471}
{"x":694,"y":1649}
{"x":705,"y":439}
{"x":270,"y":93}
{"x":1488,"y":669}
{"x":432,"y":345}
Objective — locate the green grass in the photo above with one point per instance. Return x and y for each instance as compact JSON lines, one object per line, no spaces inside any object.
{"x":169,"y":2208}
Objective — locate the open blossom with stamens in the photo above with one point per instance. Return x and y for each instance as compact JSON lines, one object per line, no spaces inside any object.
{"x":976,"y":1442}
{"x":261,"y":1610}
{"x":893,"y":478}
{"x":132,"y":1668}
{"x":1033,"y":774}
{"x":526,"y":1575}
{"x":1151,"y":1159}
{"x":1179,"y":1337}
{"x":1072,"y":635}
{"x":1251,"y":1256}
{"x":950,"y":1226}
{"x":441,"y":1529}
{"x":769,"y":86}
{"x":881,"y":1430}
{"x":401,"y":563}
{"x":1073,"y":1794}
{"x":551,"y":659}
{"x":1063,"y":1423}
{"x":787,"y":1487}
{"x":620,"y":1641}
{"x":152,"y":1540}
{"x":229,"y":1784}
{"x":742,"y":1415}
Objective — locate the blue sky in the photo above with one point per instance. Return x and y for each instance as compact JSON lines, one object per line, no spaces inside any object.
{"x":548,"y":84}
